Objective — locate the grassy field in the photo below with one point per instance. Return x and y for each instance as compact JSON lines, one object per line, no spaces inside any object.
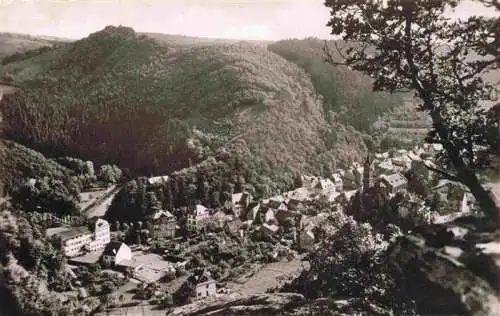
{"x":268,"y":276}
{"x":11,"y":43}
{"x":405,"y":124}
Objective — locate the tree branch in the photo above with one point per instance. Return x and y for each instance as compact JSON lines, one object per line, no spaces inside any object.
{"x":492,"y":3}
{"x":329,"y":57}
{"x":445,"y":174}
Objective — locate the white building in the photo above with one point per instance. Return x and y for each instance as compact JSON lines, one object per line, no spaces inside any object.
{"x":201,"y":284}
{"x":338,"y":182}
{"x":158,"y":180}
{"x":467,"y":202}
{"x":75,"y":240}
{"x":78,"y":240}
{"x":324,"y":186}
{"x":198,"y":217}
{"x":102,"y":235}
{"x":115,"y":253}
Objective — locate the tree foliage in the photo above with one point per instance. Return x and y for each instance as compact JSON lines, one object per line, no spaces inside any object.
{"x":210,"y":183}
{"x":48,"y":195}
{"x":349,"y":264}
{"x":415,"y":46}
{"x":33,"y":270}
{"x":118,"y":97}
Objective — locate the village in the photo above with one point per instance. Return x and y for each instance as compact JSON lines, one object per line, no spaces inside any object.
{"x":230,"y":251}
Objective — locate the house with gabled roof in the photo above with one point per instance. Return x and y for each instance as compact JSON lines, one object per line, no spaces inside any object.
{"x":199,"y":285}
{"x":300,"y":194}
{"x":283,"y":215}
{"x":270,"y":229}
{"x":296,"y":205}
{"x":234,"y":228}
{"x":115,"y":253}
{"x":253,"y":213}
{"x":267,"y":215}
{"x":275,"y":203}
{"x":219,"y":219}
{"x":403,"y":162}
{"x":240,"y":202}
{"x":309,"y":181}
{"x":324,"y":185}
{"x":338,"y":182}
{"x":198,"y":217}
{"x":309,"y":222}
{"x":467,"y":203}
{"x":395,"y":182}
{"x":306,"y":240}
{"x":162,"y":225}
{"x":386,"y":167}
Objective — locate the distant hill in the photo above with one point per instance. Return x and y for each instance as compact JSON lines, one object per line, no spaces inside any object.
{"x":200,"y":41}
{"x":159,"y":105}
{"x":348,"y":95}
{"x":11,"y":43}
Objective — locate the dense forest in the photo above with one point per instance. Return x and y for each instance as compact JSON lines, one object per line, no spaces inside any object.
{"x":348,"y":96}
{"x":154,"y":107}
{"x":55,"y":183}
{"x":33,"y":270}
{"x":122,"y":98}
{"x":210,"y":183}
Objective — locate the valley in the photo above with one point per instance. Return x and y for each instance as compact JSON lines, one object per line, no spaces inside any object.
{"x":147,"y":173}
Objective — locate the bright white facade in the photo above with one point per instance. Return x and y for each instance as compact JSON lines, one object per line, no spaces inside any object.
{"x":77,"y":240}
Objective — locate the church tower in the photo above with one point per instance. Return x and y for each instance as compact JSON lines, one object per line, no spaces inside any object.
{"x":367,"y":174}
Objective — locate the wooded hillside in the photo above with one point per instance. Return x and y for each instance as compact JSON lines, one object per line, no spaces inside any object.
{"x":155,"y":107}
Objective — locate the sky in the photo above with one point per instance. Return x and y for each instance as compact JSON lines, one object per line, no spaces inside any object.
{"x":237,"y":19}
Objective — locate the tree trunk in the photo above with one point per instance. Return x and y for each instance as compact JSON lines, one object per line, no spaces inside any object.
{"x":467,"y":176}
{"x":483,"y":197}
{"x":469,"y":179}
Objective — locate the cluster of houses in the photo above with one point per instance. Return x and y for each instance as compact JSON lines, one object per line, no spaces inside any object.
{"x":270,"y":216}
{"x":284,"y":218}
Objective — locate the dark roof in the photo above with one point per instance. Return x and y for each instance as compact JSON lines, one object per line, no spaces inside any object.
{"x":253,"y":204}
{"x":73,"y":232}
{"x":112,"y":248}
{"x":199,"y":276}
{"x":495,"y":110}
{"x":274,"y":203}
{"x":245,"y":195}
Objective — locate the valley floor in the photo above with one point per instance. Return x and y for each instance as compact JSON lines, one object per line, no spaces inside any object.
{"x":268,"y":276}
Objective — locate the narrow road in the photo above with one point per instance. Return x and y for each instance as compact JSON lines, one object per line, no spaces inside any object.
{"x":99,"y":208}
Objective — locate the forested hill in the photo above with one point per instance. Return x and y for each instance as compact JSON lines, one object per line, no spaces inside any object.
{"x":154,"y":107}
{"x":347,"y":94}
